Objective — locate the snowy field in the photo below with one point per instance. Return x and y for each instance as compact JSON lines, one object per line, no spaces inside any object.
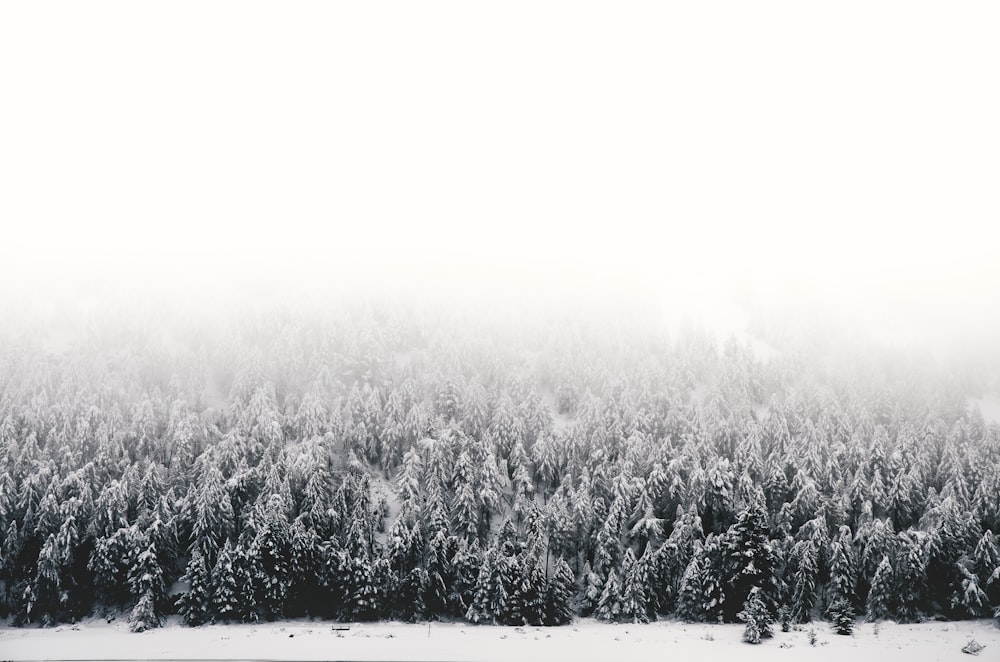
{"x":583,"y":640}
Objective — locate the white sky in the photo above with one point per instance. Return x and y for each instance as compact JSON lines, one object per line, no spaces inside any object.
{"x":844,"y":152}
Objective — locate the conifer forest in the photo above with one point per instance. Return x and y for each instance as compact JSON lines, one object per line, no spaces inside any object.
{"x":376,"y":464}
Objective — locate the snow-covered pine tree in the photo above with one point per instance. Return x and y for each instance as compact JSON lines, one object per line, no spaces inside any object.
{"x":490,"y":602}
{"x":146,"y":582}
{"x":407,"y":601}
{"x":528,"y":596}
{"x":971,"y":600}
{"x":109,"y":565}
{"x":757,"y":617}
{"x":226,"y":590}
{"x":713,"y":590}
{"x":407,"y":577}
{"x":608,"y":552}
{"x":303,"y":564}
{"x":360,"y":581}
{"x":559,"y":595}
{"x":842,"y":616}
{"x":879,"y":603}
{"x":986,"y":565}
{"x":440,"y":573}
{"x":408,"y":487}
{"x":211,"y":511}
{"x":804,"y":581}
{"x":749,"y":558}
{"x":195,"y":604}
{"x":465,"y":505}
{"x":690,"y":597}
{"x":647,"y":527}
{"x":593,"y":587}
{"x":466,"y":565}
{"x":662,"y":564}
{"x":245,"y":578}
{"x":634,"y":596}
{"x":521,"y":483}
{"x":910,"y":577}
{"x":952,"y":532}
{"x":609,"y":607}
{"x":843,"y":572}
{"x":507,"y":541}
{"x":42,"y":595}
{"x":267,"y":558}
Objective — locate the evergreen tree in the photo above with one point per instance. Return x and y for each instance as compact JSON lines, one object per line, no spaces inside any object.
{"x":360,"y":581}
{"x":195,"y":605}
{"x":971,"y":600}
{"x":226,"y":590}
{"x":146,"y":581}
{"x":880,"y":596}
{"x":467,"y":566}
{"x":490,"y":603}
{"x":440,"y":574}
{"x":749,"y":559}
{"x":609,"y":607}
{"x":713,"y":590}
{"x":842,"y":616}
{"x":248,"y":579}
{"x":212,"y":519}
{"x":701,"y":594}
{"x":690,"y":599}
{"x":304,"y":592}
{"x":407,"y":601}
{"x":559,"y":595}
{"x":593,"y":588}
{"x":757,"y":617}
{"x":804,"y":581}
{"x":267,"y":559}
{"x":986,"y":565}
{"x":110,"y":560}
{"x":528,"y":594}
{"x":843,"y":575}
{"x":42,"y":596}
{"x":634,"y":598}
{"x":910,"y":577}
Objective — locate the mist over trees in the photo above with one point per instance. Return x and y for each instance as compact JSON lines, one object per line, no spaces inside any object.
{"x":381,"y":464}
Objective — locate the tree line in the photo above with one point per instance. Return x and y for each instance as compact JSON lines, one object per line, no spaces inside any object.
{"x":379,"y":465}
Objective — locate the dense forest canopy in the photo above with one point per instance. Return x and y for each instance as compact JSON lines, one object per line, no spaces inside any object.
{"x":391,"y":463}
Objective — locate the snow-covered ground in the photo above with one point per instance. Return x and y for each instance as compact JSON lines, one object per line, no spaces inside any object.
{"x":583,"y":640}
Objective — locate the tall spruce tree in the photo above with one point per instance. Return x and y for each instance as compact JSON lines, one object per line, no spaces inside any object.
{"x":749,"y":559}
{"x":691,"y":596}
{"x":843,"y":574}
{"x":609,"y":607}
{"x":195,"y":604}
{"x":146,"y":581}
{"x":490,"y":602}
{"x":225,"y":587}
{"x":559,"y":595}
{"x":879,"y":604}
{"x":804,"y":581}
{"x":634,"y":596}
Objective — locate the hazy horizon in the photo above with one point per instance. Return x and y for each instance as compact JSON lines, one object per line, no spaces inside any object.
{"x":818,"y":168}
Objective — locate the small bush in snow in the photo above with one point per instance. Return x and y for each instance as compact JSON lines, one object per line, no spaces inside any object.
{"x":842,"y":617}
{"x":785,"y":618}
{"x":973,"y":647}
